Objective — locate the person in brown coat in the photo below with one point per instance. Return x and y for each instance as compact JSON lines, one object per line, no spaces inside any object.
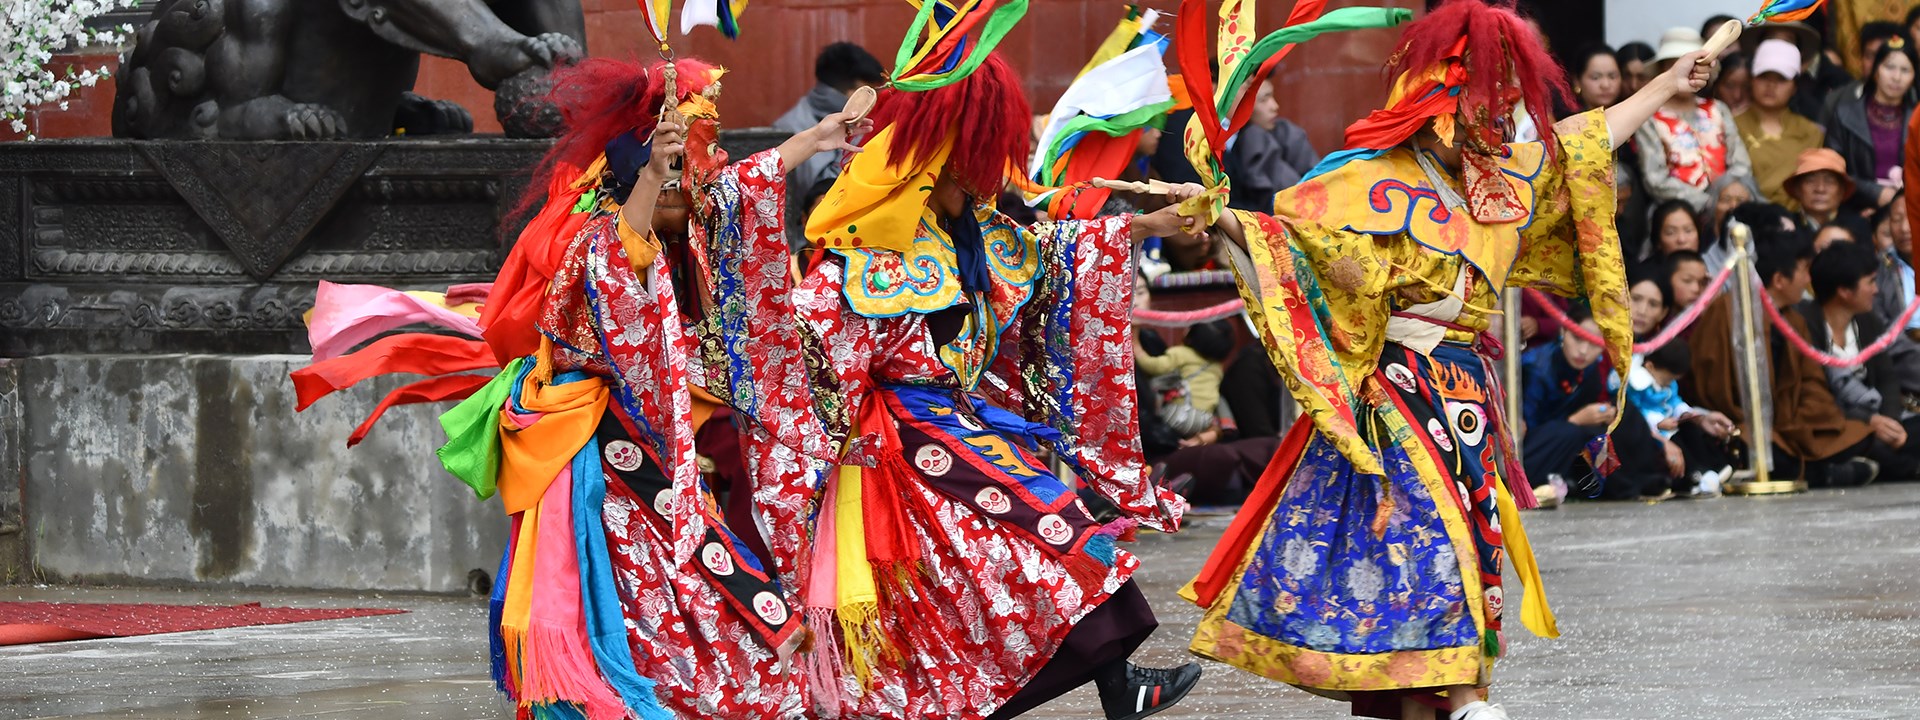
{"x":1811,"y":436}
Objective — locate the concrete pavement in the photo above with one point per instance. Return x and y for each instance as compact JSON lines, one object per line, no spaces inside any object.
{"x":1803,"y":607}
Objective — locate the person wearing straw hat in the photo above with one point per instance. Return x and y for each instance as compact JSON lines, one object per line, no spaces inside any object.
{"x":1690,"y":141}
{"x":1819,"y":186}
{"x":1367,"y":565}
{"x":1774,"y":134}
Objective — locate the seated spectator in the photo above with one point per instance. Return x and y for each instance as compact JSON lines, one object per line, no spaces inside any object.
{"x":1871,"y":39}
{"x":1869,"y":127}
{"x":1891,"y":242}
{"x":1537,"y":325}
{"x":1636,"y":67}
{"x":1774,"y":134}
{"x":1845,"y":228}
{"x":1686,"y":274}
{"x":1690,"y":141}
{"x":1647,"y":303}
{"x":1811,"y":439}
{"x":1729,"y":192}
{"x":1819,"y":185}
{"x":1733,"y":86}
{"x":1821,"y":71}
{"x":1566,"y":405}
{"x":838,"y":69}
{"x":1675,"y":228}
{"x":1269,"y":155}
{"x":1186,"y":379}
{"x":1699,"y":437}
{"x":1894,"y":276}
{"x":1841,"y":322}
{"x":1597,"y":81}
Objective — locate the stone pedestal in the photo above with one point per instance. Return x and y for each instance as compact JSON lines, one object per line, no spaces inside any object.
{"x":196,"y":469}
{"x":151,"y":296}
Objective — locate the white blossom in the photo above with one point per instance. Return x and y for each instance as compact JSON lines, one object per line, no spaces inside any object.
{"x":35,"y":31}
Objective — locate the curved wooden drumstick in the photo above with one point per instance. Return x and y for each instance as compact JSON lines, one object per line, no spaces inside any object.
{"x":859,"y":103}
{"x":1721,"y":40}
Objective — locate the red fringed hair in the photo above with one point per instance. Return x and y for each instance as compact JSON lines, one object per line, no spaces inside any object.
{"x":1505,"y":62}
{"x":986,"y":116}
{"x":599,"y":99}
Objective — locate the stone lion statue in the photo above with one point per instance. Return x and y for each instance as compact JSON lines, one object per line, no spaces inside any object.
{"x":325,"y":69}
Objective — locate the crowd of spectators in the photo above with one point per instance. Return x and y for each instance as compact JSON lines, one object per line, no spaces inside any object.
{"x":1785,"y":141}
{"x":1788,"y":143}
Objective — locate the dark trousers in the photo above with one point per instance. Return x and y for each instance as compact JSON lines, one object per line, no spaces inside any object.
{"x":1100,"y":643}
{"x":1223,"y":473}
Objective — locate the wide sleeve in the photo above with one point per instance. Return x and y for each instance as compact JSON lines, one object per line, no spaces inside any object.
{"x":1319,"y":301}
{"x":1167,"y":362}
{"x":1572,"y":248}
{"x":758,"y":356}
{"x":1076,"y":358}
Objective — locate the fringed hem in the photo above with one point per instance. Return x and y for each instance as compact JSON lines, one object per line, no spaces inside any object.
{"x":824,"y":665}
{"x":557,"y":668}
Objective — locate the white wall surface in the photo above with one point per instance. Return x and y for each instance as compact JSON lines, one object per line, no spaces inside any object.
{"x":1644,"y":20}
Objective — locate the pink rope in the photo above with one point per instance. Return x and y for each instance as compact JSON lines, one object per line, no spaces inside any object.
{"x":1673,"y":329}
{"x":1187,"y":318}
{"x":1800,"y":344}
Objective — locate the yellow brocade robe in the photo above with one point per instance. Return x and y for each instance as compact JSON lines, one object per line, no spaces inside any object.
{"x":1323,"y":278}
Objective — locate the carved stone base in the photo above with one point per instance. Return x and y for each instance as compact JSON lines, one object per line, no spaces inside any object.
{"x":154,"y":246}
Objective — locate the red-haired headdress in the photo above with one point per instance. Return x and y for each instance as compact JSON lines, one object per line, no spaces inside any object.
{"x":1467,"y":60}
{"x":601,"y":101}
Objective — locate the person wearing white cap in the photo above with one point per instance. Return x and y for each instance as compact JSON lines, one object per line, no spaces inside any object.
{"x":1774,"y":134}
{"x":1691,"y":141}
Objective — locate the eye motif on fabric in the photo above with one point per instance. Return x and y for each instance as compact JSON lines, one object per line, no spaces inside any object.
{"x":1469,"y":422}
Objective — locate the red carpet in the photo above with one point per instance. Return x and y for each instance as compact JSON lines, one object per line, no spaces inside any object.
{"x":37,"y":622}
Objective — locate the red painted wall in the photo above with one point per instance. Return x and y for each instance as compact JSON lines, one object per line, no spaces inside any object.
{"x":1323,"y":86}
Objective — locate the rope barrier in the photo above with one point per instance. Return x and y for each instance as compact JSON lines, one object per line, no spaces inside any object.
{"x":1187,"y":318}
{"x":1667,"y":334}
{"x":1801,"y":345}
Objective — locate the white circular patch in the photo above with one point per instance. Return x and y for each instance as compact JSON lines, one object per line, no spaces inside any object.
{"x":993,"y":500}
{"x":933,"y":460}
{"x":1055,"y":530}
{"x":769,"y":607}
{"x":716,"y":559}
{"x":663,"y":502}
{"x":967,"y":421}
{"x":624,"y":456}
{"x":1496,"y":601}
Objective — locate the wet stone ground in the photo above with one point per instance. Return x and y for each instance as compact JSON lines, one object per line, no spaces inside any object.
{"x":1794,"y":607}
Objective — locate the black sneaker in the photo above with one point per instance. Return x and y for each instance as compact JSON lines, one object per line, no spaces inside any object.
{"x":1147,"y":691}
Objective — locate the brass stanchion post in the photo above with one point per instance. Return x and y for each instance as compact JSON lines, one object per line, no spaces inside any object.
{"x":1759,"y":411}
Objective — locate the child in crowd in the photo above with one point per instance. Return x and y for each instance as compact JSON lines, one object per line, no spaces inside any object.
{"x":1187,"y":378}
{"x":1694,"y":439}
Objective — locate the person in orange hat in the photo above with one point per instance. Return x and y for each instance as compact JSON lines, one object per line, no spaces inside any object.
{"x":1819,"y":185}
